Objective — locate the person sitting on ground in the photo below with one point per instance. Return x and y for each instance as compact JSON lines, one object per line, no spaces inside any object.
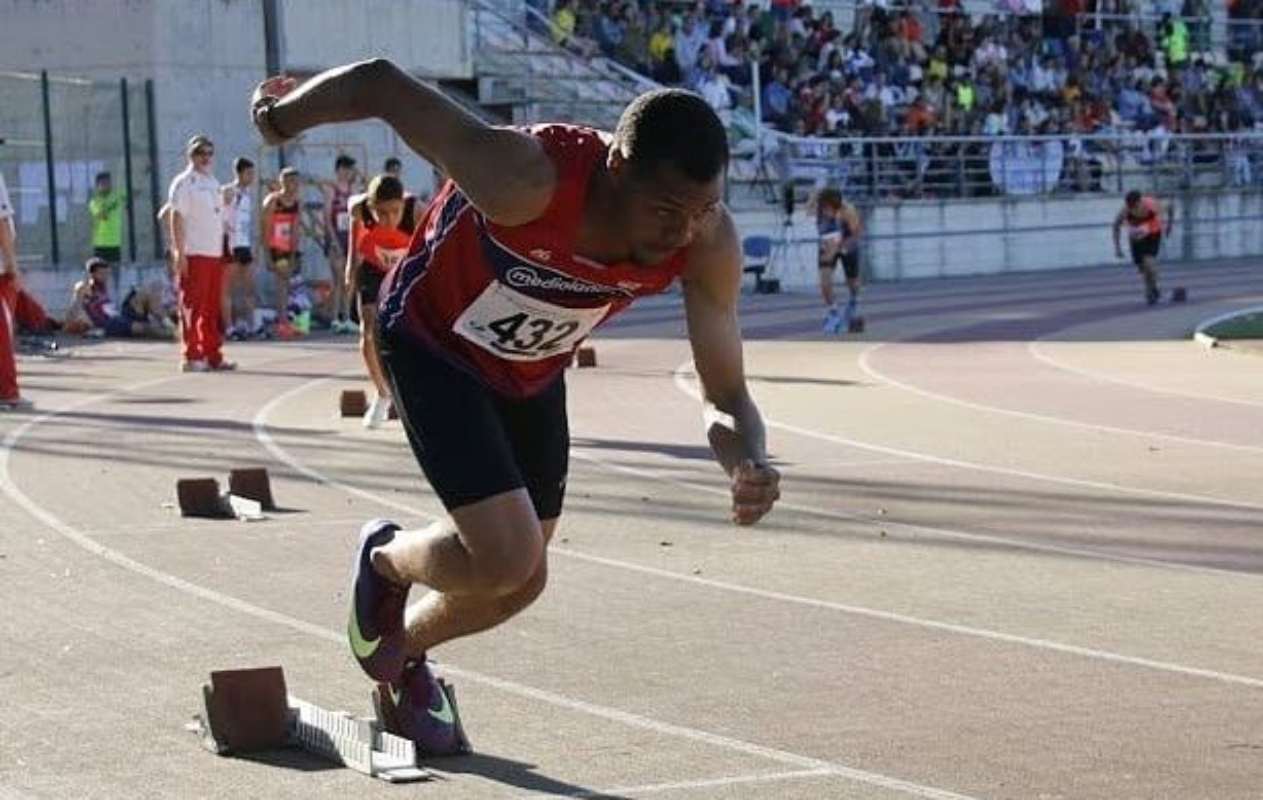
{"x":93,"y":313}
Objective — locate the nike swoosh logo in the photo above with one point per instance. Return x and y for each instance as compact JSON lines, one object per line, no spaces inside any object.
{"x":444,"y":713}
{"x":363,"y":648}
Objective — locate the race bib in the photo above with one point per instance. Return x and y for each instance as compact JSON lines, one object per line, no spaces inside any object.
{"x":1138,"y":231}
{"x":342,"y":221}
{"x":515,"y":327}
{"x":389,"y":257}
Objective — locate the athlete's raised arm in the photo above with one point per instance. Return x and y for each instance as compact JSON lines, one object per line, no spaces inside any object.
{"x":504,"y":172}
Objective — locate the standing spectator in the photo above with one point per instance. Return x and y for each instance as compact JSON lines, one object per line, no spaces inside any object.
{"x":337,"y":222}
{"x":238,"y":198}
{"x":565,"y":23}
{"x":10,"y":398}
{"x":634,"y":51}
{"x":106,"y":208}
{"x":282,"y":233}
{"x":197,"y":243}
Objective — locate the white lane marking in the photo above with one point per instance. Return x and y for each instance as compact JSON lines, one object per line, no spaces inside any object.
{"x":260,"y":425}
{"x":676,"y":786}
{"x":685,"y":370}
{"x":919,"y":528}
{"x":872,"y":372}
{"x":10,"y":488}
{"x":1037,"y":352}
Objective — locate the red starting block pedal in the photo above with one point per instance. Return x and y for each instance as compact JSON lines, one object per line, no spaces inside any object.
{"x":199,"y":497}
{"x":254,"y":484}
{"x":585,"y":357}
{"x":353,"y":403}
{"x":248,"y":710}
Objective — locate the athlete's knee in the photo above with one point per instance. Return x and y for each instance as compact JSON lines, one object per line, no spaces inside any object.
{"x":511,"y":566}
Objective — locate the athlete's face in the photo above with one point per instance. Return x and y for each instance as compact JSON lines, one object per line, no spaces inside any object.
{"x":289,"y":184}
{"x":388,"y":212}
{"x":663,"y":210}
{"x":246,"y":176}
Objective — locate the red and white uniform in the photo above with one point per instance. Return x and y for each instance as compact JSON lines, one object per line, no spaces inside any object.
{"x":510,"y":304}
{"x":380,"y":247}
{"x":1146,"y":221}
{"x":8,"y":308}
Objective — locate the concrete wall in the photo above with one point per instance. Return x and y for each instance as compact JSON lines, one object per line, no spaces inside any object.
{"x":939,"y":239}
{"x":205,"y":57}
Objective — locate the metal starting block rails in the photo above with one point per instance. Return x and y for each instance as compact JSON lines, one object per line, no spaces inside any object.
{"x":249,"y":710}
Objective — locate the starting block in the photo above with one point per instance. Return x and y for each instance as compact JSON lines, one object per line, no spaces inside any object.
{"x":1179,"y":294}
{"x":248,"y":710}
{"x":253,"y":484}
{"x":249,"y":493}
{"x":199,"y":497}
{"x":855,"y":325}
{"x":353,"y":403}
{"x":585,"y":357}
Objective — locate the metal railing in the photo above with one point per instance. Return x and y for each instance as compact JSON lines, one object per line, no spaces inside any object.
{"x":517,"y":62}
{"x":58,"y":133}
{"x":891,"y":168}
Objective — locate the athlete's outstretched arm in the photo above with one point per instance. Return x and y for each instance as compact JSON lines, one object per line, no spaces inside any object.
{"x":712,"y":285}
{"x":504,"y":172}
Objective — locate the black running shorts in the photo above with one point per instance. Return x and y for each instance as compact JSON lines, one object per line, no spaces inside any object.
{"x":471,"y":442}
{"x":370,"y":284}
{"x":1145,"y":247}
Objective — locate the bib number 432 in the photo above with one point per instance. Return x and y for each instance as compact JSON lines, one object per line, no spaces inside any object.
{"x":516,"y":327}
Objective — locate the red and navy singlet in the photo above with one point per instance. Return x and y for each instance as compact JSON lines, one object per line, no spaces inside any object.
{"x":510,"y":304}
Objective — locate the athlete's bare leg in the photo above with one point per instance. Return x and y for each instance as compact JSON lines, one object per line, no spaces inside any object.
{"x":826,"y":286}
{"x":341,"y":297}
{"x":1149,"y":272}
{"x":439,"y":618}
{"x":368,"y":348}
{"x":281,"y":270}
{"x":483,"y":564}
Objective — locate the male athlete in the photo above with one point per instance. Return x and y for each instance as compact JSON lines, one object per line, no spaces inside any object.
{"x":838,"y":223}
{"x":1144,"y":218}
{"x":538,"y":236}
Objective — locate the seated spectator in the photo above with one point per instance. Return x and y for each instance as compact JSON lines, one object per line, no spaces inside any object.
{"x":689,"y":42}
{"x":996,"y":122}
{"x":777,"y":97}
{"x":93,"y":312}
{"x":921,"y":117}
{"x":565,"y":30}
{"x":609,"y":29}
{"x":662,"y":64}
{"x":712,"y":85}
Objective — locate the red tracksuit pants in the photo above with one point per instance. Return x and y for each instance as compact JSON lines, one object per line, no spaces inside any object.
{"x":201,"y":299}
{"x":8,"y":337}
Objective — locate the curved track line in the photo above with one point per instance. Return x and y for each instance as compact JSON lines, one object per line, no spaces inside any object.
{"x":686,"y":369}
{"x":260,"y":424}
{"x":1036,"y":352}
{"x":872,"y":372}
{"x":511,"y":687}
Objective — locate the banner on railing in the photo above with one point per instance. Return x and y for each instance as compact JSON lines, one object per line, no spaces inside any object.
{"x":1027,"y":167}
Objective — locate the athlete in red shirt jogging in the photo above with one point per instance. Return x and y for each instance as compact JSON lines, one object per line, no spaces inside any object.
{"x":538,"y":236}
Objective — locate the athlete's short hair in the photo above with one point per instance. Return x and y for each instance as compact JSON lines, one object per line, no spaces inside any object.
{"x":384,"y":188}
{"x":343,"y":160}
{"x":241,"y":164}
{"x":1133,"y":197}
{"x":830,"y":197}
{"x":674,"y":127}
{"x":392,"y":163}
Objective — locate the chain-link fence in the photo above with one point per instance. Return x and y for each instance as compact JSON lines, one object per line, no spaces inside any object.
{"x":59,"y":133}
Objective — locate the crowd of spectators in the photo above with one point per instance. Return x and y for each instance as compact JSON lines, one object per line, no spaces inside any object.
{"x":915,"y":69}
